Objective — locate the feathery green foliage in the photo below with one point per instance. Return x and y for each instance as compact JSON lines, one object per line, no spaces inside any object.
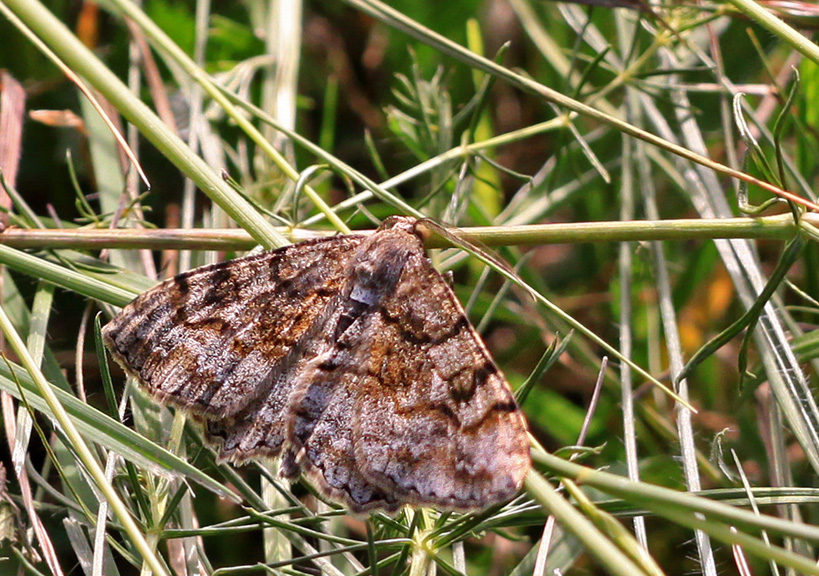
{"x":284,"y":119}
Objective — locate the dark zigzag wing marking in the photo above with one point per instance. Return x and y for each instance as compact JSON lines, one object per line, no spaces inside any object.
{"x":210,"y":339}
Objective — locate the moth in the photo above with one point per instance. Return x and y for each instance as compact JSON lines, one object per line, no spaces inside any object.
{"x":349,"y":357}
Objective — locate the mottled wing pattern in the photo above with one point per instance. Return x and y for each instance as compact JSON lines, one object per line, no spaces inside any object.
{"x":351,"y":355}
{"x":321,"y":439}
{"x":405,"y":404}
{"x":215,"y":340}
{"x":453,"y":437}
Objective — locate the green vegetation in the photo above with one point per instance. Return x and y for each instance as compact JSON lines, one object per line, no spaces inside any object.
{"x":645,"y":175}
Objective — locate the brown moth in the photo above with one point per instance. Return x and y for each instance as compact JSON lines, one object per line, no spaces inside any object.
{"x":348,"y":356}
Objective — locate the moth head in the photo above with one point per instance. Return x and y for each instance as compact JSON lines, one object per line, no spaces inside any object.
{"x":421,"y":228}
{"x":405,"y":223}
